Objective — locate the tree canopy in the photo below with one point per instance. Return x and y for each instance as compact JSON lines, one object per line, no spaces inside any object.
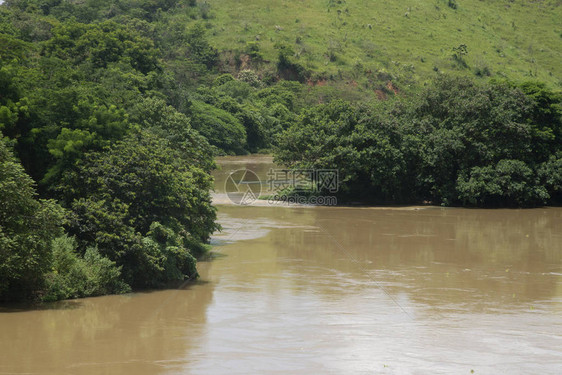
{"x":27,"y":227}
{"x":111,"y":114}
{"x":457,"y":143}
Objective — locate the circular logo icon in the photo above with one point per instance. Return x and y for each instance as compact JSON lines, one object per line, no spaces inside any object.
{"x":242,"y":187}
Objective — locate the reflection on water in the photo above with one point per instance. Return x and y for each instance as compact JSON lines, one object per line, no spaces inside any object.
{"x":139,"y":333}
{"x":441,"y":256}
{"x":347,"y":290}
{"x":259,"y":164}
{"x":327,"y":290}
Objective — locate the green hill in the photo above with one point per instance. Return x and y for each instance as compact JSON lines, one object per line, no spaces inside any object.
{"x":365,"y":42}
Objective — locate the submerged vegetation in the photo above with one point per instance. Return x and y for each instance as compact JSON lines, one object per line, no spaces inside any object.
{"x":111,"y":113}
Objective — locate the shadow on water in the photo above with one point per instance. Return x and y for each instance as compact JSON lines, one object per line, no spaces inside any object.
{"x":212,"y":255}
{"x":29,"y":306}
{"x":144,"y":332}
{"x":78,"y":303}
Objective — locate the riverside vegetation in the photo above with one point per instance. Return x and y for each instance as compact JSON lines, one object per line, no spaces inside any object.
{"x":111,"y":113}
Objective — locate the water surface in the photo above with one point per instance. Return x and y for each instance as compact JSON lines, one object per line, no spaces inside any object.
{"x":325,"y":290}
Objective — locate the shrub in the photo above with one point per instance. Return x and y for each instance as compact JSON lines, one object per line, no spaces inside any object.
{"x":73,"y":276}
{"x":482,"y":71}
{"x":510,"y":182}
{"x":286,"y":67}
{"x":459,"y":53}
{"x":253,"y":50}
{"x":167,"y":257}
{"x":250,"y":78}
{"x":222,"y":79}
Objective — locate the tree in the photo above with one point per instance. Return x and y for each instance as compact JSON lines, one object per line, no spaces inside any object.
{"x":27,"y":226}
{"x":118,"y":195}
{"x":550,"y":173}
{"x":545,"y":117}
{"x":199,"y":50}
{"x":220,"y":127}
{"x":510,"y":182}
{"x":457,"y":143}
{"x":358,"y":143}
{"x":98,"y":45}
{"x":461,"y":125}
{"x":155,"y":115}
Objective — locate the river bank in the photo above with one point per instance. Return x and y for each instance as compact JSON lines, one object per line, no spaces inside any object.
{"x":326,"y":290}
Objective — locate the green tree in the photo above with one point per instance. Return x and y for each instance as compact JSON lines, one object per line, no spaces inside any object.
{"x":199,"y":48}
{"x":457,"y":142}
{"x":550,"y":173}
{"x":27,"y":226}
{"x":545,"y":117}
{"x":117,"y":195}
{"x":155,"y":115}
{"x":73,"y":276}
{"x":359,"y":144}
{"x":222,"y":129}
{"x":510,"y":182}
{"x":461,"y":125}
{"x":98,"y":45}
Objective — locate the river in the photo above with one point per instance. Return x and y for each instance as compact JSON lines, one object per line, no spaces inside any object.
{"x":324,"y":290}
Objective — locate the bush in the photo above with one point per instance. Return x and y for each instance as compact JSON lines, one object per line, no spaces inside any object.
{"x":510,"y":182}
{"x":73,"y":276}
{"x":167,"y":257}
{"x":287,"y":68}
{"x":253,"y":50}
{"x":222,"y":79}
{"x":250,"y":78}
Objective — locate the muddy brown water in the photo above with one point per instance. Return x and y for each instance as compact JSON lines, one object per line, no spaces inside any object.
{"x":325,"y":290}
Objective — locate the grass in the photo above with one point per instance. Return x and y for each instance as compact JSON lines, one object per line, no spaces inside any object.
{"x":361,"y":44}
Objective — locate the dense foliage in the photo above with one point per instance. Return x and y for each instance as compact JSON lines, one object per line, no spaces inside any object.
{"x":145,"y":205}
{"x":457,"y":143}
{"x":96,"y":115}
{"x":73,"y":276}
{"x":27,"y":227}
{"x":111,"y":113}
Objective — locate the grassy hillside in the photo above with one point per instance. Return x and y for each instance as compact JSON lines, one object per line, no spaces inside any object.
{"x":362,"y":43}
